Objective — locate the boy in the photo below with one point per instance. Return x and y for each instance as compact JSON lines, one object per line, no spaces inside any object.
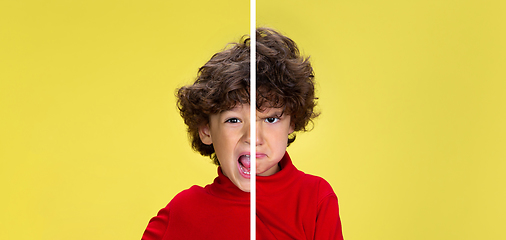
{"x":290,"y":203}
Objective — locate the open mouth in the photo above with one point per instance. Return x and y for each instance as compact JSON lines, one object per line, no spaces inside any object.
{"x":244,"y":165}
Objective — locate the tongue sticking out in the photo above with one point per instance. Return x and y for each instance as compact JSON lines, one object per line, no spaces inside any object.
{"x":245,"y":161}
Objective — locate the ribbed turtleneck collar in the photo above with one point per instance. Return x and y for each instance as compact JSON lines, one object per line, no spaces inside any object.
{"x":224,"y":188}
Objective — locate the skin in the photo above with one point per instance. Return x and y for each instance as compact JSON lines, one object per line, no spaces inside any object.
{"x":229,"y":132}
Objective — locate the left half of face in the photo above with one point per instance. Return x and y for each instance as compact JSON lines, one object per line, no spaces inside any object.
{"x":229,"y":132}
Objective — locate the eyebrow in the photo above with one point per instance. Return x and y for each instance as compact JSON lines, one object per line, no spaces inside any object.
{"x":276,"y":113}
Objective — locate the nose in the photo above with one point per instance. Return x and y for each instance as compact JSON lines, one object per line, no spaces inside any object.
{"x":259,"y":134}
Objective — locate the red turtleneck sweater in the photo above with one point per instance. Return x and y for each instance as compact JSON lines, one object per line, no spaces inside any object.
{"x":290,"y":205}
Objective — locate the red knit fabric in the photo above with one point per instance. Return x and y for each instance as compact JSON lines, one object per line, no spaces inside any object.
{"x":290,"y":205}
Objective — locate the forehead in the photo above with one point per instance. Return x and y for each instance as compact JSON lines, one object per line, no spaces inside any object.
{"x":266,"y":97}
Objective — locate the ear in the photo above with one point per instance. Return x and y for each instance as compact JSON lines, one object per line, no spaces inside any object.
{"x":205,"y":134}
{"x":292,"y":128}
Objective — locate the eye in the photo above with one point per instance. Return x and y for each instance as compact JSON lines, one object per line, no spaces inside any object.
{"x":233,"y":120}
{"x":271,"y":119}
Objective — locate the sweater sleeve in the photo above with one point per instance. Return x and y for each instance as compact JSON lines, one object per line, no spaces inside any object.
{"x":157,"y":226}
{"x":328,"y":223}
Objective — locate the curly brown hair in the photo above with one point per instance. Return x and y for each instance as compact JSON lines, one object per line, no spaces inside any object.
{"x":285,"y":79}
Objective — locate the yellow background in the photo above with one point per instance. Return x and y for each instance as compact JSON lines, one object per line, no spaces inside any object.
{"x":411,"y":135}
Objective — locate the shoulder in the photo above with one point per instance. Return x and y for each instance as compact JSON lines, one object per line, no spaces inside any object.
{"x":175,"y":211}
{"x":183,"y":198}
{"x":187,"y":197}
{"x":189,"y":193}
{"x":319,"y":186}
{"x":183,"y":202}
{"x":316,"y":186}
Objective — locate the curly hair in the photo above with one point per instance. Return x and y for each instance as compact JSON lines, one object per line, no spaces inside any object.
{"x":285,"y":79}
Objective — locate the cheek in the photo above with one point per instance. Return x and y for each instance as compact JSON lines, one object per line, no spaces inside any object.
{"x":224,"y":143}
{"x":279,"y":137}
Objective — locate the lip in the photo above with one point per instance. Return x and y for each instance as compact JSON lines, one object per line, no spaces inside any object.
{"x":258,"y":154}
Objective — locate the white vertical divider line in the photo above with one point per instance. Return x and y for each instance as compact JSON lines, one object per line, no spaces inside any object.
{"x":252,"y":119}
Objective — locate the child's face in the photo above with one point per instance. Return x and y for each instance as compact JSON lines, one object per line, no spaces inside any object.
{"x":228,"y":131}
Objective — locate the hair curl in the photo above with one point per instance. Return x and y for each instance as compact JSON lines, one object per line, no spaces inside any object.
{"x":284,"y":80}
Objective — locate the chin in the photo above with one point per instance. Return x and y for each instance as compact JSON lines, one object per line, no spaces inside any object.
{"x":244,"y":187}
